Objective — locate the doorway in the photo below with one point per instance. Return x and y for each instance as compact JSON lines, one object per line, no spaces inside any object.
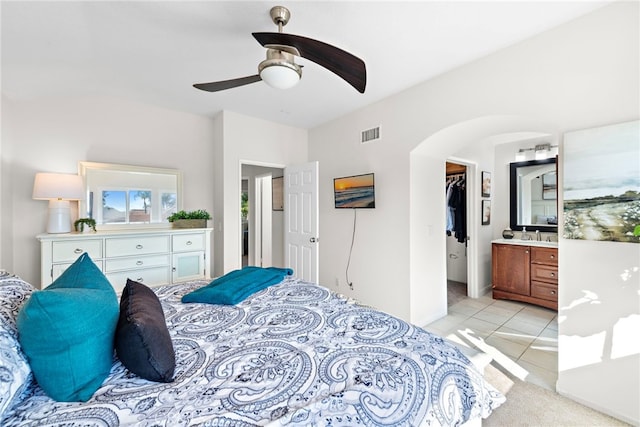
{"x":457,"y":230}
{"x":262,"y":227}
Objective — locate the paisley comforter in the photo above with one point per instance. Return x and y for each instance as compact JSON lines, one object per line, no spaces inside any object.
{"x":292,"y":354}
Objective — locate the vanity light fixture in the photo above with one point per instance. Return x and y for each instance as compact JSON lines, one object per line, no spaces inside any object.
{"x":542,"y":151}
{"x":521,"y":155}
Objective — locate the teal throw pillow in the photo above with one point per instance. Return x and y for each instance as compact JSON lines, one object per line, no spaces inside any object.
{"x":67,"y":330}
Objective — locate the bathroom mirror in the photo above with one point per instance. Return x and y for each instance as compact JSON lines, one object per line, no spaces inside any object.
{"x":534,"y":203}
{"x":123,"y":196}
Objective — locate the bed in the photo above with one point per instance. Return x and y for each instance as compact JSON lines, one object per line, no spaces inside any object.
{"x":294,"y":353}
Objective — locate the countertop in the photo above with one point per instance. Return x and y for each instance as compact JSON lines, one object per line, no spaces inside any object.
{"x":517,"y":241}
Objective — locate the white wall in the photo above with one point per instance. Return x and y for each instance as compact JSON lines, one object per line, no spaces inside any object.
{"x":247,"y":140}
{"x":53,"y":135}
{"x":582,"y":74}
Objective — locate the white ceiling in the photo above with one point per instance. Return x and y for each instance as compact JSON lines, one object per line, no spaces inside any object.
{"x":152,"y":51}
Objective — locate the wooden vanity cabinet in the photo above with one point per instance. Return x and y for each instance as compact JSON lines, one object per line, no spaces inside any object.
{"x":511,"y":268}
{"x":525,"y":273}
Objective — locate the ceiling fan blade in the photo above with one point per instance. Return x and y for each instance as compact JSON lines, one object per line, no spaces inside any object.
{"x":345,"y":65}
{"x":227,"y":84}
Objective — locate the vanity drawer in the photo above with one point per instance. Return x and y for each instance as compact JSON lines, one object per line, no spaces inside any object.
{"x":131,"y":263}
{"x":137,"y":246}
{"x":147,"y":276}
{"x":546,"y":291}
{"x":544,"y":255}
{"x":545,"y":273}
{"x":188,"y":242}
{"x":69,"y":251}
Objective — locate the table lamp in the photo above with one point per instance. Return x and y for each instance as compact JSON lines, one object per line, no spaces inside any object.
{"x":58,"y":188}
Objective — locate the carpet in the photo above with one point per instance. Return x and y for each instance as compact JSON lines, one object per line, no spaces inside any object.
{"x":530,"y":405}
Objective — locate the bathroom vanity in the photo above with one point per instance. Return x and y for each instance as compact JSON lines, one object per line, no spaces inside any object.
{"x":525,"y":270}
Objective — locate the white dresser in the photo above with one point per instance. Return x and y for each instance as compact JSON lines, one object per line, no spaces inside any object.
{"x":149,"y":256}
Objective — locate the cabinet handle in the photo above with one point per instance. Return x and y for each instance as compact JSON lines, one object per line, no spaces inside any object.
{"x":77,"y":251}
{"x":189,"y":242}
{"x":139,"y":262}
{"x":138,"y":246}
{"x":526,"y":252}
{"x":173,"y":269}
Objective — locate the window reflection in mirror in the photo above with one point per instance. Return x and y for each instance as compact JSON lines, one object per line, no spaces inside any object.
{"x":129,"y":195}
{"x":534,"y":195}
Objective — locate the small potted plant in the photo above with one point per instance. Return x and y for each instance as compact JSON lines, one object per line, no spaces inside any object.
{"x":85,"y":225}
{"x":191,"y":219}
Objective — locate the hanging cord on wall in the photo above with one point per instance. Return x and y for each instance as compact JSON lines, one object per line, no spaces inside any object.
{"x":353,"y":237}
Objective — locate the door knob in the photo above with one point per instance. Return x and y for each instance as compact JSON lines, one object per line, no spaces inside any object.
{"x":314,"y":239}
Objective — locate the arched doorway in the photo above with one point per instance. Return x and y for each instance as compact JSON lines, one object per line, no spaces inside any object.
{"x":473,"y":140}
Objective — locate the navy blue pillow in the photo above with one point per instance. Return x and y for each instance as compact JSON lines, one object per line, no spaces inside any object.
{"x":143,"y":343}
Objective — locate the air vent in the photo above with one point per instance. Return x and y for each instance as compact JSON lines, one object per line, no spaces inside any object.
{"x":370,"y":135}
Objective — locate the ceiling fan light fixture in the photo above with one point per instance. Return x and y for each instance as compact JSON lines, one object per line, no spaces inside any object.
{"x":279,"y":71}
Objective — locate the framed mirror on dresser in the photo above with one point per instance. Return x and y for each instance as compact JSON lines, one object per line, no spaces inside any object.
{"x":127,"y":196}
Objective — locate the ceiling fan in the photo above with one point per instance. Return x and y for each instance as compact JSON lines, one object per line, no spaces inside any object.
{"x":279,"y":69}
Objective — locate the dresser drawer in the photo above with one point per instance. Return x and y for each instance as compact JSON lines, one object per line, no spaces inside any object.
{"x":137,"y":246}
{"x":188,"y":242}
{"x":545,"y":273}
{"x":134,"y":263}
{"x":58,"y":269}
{"x":70,"y":250}
{"x":147,"y":276}
{"x":546,"y":291}
{"x":544,"y":255}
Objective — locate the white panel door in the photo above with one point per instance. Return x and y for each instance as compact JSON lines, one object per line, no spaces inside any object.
{"x":301,"y":220}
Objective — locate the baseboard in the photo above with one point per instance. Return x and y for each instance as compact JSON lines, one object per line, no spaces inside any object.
{"x":596,"y":407}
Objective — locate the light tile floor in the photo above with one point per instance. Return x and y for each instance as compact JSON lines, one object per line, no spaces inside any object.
{"x":521,"y":338}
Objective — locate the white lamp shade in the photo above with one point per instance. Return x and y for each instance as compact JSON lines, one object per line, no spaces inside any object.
{"x":58,"y":186}
{"x":280,"y":76}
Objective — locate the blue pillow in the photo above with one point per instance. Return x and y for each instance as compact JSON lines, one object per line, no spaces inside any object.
{"x":67,"y":329}
{"x":237,"y":285}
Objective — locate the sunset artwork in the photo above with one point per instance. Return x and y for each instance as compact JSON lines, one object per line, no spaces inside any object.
{"x":354,"y":191}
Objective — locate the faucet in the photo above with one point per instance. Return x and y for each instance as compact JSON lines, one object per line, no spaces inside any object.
{"x":538,"y":235}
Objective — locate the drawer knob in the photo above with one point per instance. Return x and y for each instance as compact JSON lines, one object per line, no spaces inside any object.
{"x":139,"y":262}
{"x":77,"y":251}
{"x":138,"y":246}
{"x":553,"y":292}
{"x":189,"y":242}
{"x":553,"y":274}
{"x":552,"y":256}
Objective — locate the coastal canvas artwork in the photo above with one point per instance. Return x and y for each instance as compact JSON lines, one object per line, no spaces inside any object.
{"x":601,"y":184}
{"x":355,"y":191}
